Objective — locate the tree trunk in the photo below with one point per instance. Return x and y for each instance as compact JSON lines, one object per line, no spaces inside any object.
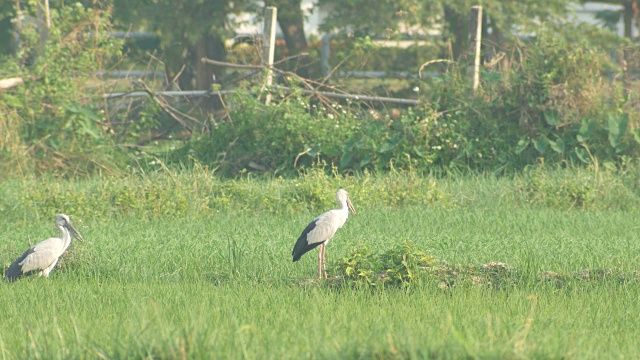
{"x":211,"y":47}
{"x":456,"y":31}
{"x":631,"y":11}
{"x":196,"y":75}
{"x":628,"y":19}
{"x":186,"y":61}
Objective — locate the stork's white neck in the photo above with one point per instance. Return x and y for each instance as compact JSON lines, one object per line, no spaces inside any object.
{"x":343,"y":206}
{"x":65,"y":236}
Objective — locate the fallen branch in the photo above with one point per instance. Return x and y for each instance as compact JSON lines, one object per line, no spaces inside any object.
{"x":352,"y":96}
{"x":432,"y":62}
{"x":226,"y":64}
{"x":10,"y":82}
{"x":253,"y":67}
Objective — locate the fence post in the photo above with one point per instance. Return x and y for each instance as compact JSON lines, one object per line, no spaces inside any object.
{"x":269,"y":45}
{"x":475,"y":39}
{"x":47,"y":13}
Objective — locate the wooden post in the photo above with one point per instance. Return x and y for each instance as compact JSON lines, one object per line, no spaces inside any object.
{"x":47,"y":13}
{"x":475,"y":39}
{"x":269,"y":45}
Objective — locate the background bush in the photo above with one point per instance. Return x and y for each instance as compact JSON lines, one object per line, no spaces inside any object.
{"x":54,"y":122}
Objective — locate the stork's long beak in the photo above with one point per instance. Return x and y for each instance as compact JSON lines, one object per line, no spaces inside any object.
{"x":74,"y":232}
{"x":350,"y":205}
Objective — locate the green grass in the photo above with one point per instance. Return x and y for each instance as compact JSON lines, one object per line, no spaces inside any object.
{"x":222,"y":284}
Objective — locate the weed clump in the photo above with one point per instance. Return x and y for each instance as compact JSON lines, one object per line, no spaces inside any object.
{"x":397,"y":266}
{"x":405,"y":263}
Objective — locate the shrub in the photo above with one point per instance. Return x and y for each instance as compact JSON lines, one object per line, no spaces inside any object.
{"x":552,"y":100}
{"x":295,"y":132}
{"x":52,"y":121}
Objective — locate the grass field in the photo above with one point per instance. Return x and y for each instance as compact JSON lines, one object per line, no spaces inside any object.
{"x":222,"y":285}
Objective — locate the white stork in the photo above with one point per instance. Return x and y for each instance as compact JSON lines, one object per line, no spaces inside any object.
{"x":43,"y":256}
{"x":322,"y":229}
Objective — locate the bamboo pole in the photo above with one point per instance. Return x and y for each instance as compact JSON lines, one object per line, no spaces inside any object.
{"x":475,"y":40}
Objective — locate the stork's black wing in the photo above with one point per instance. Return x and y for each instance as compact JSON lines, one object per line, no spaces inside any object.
{"x":14,"y":272}
{"x":302,"y":245}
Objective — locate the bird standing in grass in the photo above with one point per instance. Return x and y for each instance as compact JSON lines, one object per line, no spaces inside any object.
{"x":43,"y":257}
{"x":322,"y":229}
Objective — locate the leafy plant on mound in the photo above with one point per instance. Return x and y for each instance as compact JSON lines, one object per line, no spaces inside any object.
{"x":405,"y":263}
{"x":396,"y":266}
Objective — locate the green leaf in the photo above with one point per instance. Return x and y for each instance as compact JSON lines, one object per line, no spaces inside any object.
{"x":350,"y":144}
{"x":11,"y":101}
{"x":541,"y":144}
{"x":558,"y":145}
{"x":388,"y":145}
{"x":523,"y":143}
{"x":89,"y":128}
{"x":585,"y":130}
{"x":582,"y":154}
{"x":345,"y":159}
{"x":469,"y":148}
{"x":636,"y":135}
{"x":552,"y":117}
{"x":83,"y":110}
{"x":617,"y":128}
{"x":419,"y":152}
{"x":314,"y":151}
{"x":366,"y":160}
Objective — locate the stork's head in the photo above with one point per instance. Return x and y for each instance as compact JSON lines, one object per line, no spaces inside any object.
{"x":342,"y":196}
{"x":62,"y":220}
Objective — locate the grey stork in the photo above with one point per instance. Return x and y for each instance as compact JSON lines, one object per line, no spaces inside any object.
{"x":43,"y":256}
{"x":322,"y":229}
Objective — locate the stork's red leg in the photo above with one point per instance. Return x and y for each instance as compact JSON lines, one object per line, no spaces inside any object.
{"x":320,"y":262}
{"x":324,"y":260}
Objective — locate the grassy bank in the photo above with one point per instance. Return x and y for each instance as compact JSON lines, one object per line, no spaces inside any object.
{"x":164,"y":192}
